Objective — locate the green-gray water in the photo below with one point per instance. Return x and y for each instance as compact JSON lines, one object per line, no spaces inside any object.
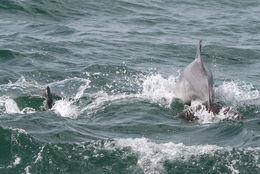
{"x":116,"y":63}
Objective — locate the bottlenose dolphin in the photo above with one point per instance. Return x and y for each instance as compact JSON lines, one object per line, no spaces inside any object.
{"x":196,"y":84}
{"x":196,"y":81}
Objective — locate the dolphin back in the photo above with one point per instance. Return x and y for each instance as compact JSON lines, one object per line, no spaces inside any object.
{"x":196,"y":81}
{"x":206,"y":73}
{"x":199,"y":59}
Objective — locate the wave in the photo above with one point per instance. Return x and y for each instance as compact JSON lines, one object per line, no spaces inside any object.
{"x":7,"y":55}
{"x":85,"y":96}
{"x":14,"y":141}
{"x":55,"y":9}
{"x":141,"y":155}
{"x":153,"y":157}
{"x":49,"y":9}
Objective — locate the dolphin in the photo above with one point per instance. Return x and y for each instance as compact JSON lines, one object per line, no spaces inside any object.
{"x":196,"y":83}
{"x":49,"y":101}
{"x":50,"y":97}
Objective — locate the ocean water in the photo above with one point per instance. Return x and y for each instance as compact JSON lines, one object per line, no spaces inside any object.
{"x":115,"y":63}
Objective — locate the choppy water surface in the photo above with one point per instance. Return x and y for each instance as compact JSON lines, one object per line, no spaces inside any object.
{"x":116,"y":63}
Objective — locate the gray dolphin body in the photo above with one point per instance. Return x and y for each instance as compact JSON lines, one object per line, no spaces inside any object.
{"x":196,"y":83}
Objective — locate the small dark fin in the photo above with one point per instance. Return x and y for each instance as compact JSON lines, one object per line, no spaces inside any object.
{"x":49,"y":101}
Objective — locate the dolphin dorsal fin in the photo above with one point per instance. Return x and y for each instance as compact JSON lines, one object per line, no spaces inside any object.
{"x":198,"y":50}
{"x":49,"y":101}
{"x":209,"y":103}
{"x":198,"y":56}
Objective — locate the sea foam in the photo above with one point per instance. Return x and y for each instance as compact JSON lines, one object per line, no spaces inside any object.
{"x":152,"y":156}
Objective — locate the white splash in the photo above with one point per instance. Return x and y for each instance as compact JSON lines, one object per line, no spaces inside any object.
{"x":236,"y":93}
{"x":151,"y":156}
{"x":11,"y":106}
{"x":159,"y":90}
{"x":207,"y":117}
{"x":65,"y":108}
{"x":204,"y":116}
{"x":17,"y":161}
